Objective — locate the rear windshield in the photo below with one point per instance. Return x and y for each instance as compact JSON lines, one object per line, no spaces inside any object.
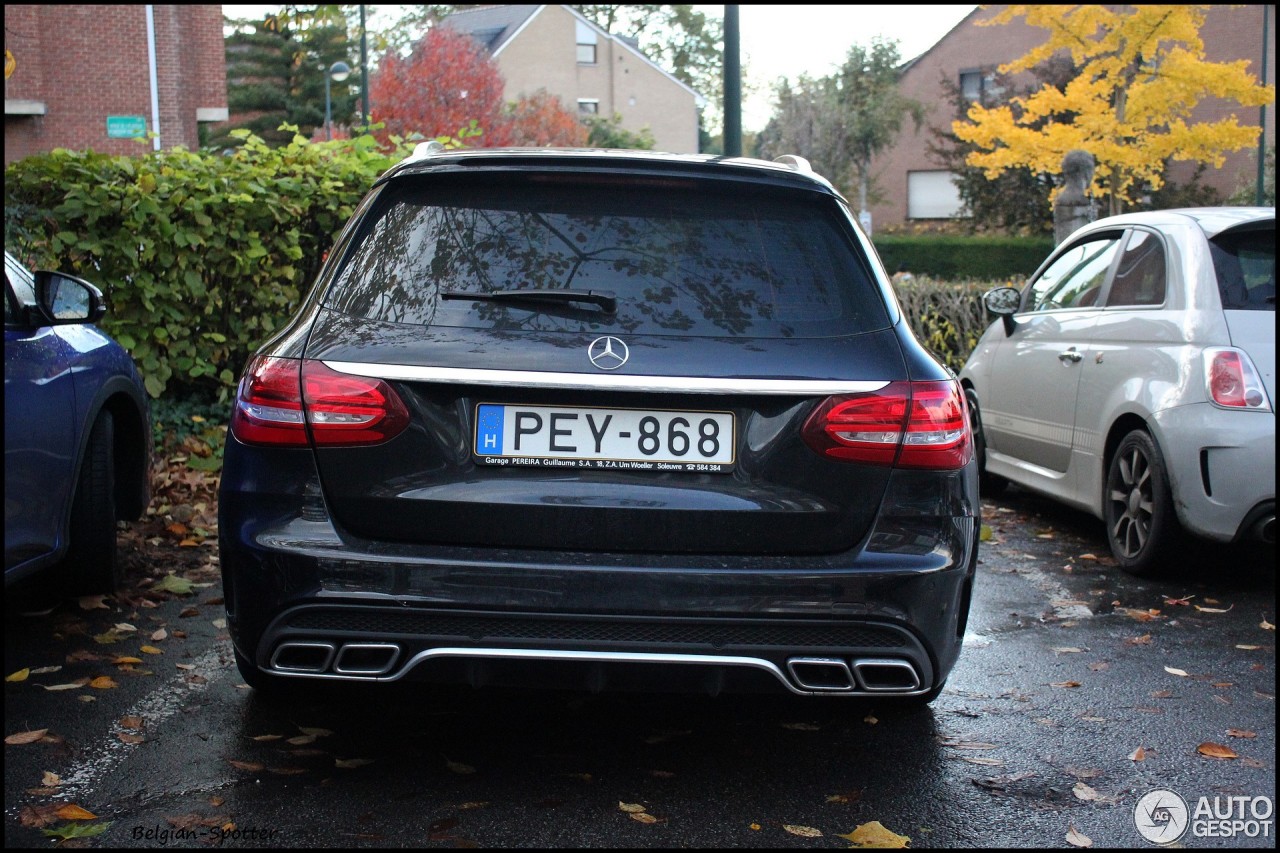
{"x":681,"y":257}
{"x":1245,"y":262}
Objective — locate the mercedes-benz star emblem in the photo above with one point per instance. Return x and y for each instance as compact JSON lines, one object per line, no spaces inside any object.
{"x":608,"y":353}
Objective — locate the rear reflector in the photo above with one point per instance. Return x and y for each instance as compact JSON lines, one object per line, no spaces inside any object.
{"x":285,"y":402}
{"x":904,"y":424}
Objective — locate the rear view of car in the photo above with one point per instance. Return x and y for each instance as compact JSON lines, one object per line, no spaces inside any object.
{"x":600,"y":420}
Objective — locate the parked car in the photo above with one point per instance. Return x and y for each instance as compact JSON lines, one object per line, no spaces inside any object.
{"x":77,"y":435}
{"x":606,"y":420}
{"x":1134,"y":378}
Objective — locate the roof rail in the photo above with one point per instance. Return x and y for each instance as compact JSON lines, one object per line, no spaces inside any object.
{"x":798,"y":163}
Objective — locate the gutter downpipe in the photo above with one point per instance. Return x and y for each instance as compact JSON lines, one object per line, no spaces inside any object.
{"x":155,"y":82}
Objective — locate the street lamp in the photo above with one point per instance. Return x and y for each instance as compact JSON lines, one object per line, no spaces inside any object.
{"x":338,"y":71}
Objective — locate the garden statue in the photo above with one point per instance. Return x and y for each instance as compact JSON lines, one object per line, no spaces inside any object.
{"x":1073,"y":207}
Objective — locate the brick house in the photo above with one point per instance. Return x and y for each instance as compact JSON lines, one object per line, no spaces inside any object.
{"x":917,"y":190}
{"x":557,"y":49}
{"x":92,"y":77}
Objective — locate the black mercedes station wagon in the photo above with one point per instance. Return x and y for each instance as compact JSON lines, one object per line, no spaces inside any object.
{"x":604,"y":420}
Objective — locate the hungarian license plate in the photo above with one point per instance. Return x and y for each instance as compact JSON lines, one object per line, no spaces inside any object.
{"x":638,"y":439}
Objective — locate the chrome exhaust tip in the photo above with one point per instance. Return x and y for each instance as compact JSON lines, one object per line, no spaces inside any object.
{"x":367,"y":659}
{"x":302,"y":657}
{"x":825,"y":675}
{"x":886,"y":675}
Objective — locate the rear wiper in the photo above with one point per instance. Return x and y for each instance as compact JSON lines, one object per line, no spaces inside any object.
{"x":604,"y":298}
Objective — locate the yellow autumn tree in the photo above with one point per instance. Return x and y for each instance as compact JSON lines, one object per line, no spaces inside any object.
{"x":1141,"y":73}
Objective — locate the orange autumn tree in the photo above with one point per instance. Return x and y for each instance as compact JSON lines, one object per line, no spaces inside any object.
{"x":449,"y":81}
{"x":539,"y":119}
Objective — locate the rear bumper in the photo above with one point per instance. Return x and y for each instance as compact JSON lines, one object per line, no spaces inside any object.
{"x":1223,"y":467}
{"x":306,"y":600}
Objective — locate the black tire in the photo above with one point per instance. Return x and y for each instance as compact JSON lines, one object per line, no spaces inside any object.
{"x":1142,"y":524}
{"x":90,"y":565}
{"x":989,"y":485}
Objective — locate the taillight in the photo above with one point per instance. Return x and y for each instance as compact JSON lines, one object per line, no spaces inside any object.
{"x":907,"y":424}
{"x":280,"y":399}
{"x":1232,"y":381}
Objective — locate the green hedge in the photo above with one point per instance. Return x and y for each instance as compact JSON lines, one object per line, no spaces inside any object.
{"x":955,"y":257}
{"x":201,"y":256}
{"x":947,"y":317}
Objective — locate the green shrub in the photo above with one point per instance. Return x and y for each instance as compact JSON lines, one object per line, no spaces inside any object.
{"x":201,"y":256}
{"x":947,"y":317}
{"x":947,"y":256}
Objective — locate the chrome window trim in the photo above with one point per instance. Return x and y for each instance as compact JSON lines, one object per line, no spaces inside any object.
{"x":607,"y":382}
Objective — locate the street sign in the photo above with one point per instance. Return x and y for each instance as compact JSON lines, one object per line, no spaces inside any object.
{"x":126,"y":127}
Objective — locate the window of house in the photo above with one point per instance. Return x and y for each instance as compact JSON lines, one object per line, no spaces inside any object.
{"x":586,"y":44}
{"x":980,"y":86}
{"x":588,"y":106}
{"x":933,"y":195}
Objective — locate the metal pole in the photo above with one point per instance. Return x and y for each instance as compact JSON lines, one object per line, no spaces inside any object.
{"x":732,"y":84}
{"x":1262,"y":111}
{"x":364,"y":75}
{"x":328,"y":105}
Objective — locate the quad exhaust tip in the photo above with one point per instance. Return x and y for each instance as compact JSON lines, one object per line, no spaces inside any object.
{"x":867,"y":675}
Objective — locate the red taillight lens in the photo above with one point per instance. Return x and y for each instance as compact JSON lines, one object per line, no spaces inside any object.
{"x":280,"y":398}
{"x":907,"y":424}
{"x":1232,"y":381}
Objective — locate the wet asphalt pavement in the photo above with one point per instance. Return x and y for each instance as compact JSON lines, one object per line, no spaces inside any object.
{"x":1080,"y":690}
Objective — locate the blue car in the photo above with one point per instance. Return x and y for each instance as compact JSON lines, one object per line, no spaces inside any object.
{"x":77,"y":435}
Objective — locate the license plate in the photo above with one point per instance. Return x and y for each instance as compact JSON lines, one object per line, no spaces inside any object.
{"x":637,"y":439}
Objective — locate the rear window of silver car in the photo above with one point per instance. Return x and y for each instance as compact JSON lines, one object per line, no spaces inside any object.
{"x":1245,"y":261}
{"x":682,"y":257}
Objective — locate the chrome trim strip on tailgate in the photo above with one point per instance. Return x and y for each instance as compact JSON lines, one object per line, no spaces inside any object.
{"x":610,"y":382}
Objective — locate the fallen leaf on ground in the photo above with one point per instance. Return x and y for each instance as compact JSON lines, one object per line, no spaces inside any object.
{"x":802,"y":831}
{"x":1241,"y":733}
{"x":643,"y":817}
{"x":1144,"y":640}
{"x":875,"y":834}
{"x":72,"y":685}
{"x":93,"y":602}
{"x":1181,"y":673}
{"x":1216,"y":750}
{"x":1066,"y":650}
{"x":1213,"y":609}
{"x":630,"y":808}
{"x":21,"y":738}
{"x":103,"y":682}
{"x":1265,"y":625}
{"x":1065,"y":684}
{"x":151,"y":650}
{"x":73,"y":812}
{"x":1084,"y":792}
{"x":251,"y":766}
{"x":1139,"y":754}
{"x":20,"y":675}
{"x":1178,"y":601}
{"x":1076,"y":838}
{"x":50,"y":779}
{"x":351,"y":763}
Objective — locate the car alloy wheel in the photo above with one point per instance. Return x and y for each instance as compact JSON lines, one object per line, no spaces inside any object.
{"x":1142,"y":527}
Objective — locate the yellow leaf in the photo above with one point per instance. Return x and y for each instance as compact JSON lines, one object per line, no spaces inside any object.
{"x":25,"y":737}
{"x":803,"y":831}
{"x":630,"y":808}
{"x":126,"y":661}
{"x":103,"y":682}
{"x":875,"y":834}
{"x":1216,"y":750}
{"x":643,"y":817}
{"x":20,"y":675}
{"x":151,"y":650}
{"x":73,"y":812}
